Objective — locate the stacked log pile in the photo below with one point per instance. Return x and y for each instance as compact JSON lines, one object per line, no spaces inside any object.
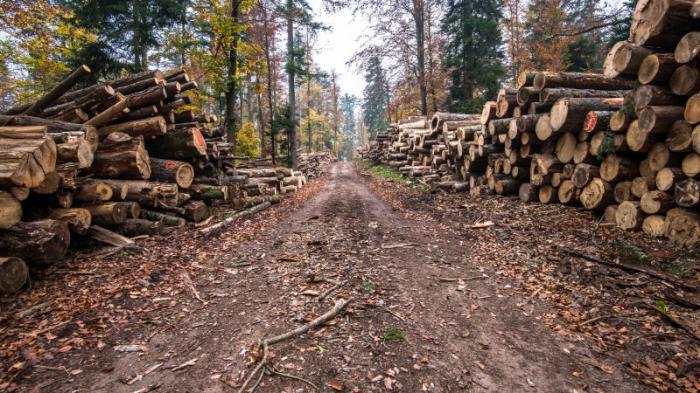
{"x":112,"y":161}
{"x":625,"y":143}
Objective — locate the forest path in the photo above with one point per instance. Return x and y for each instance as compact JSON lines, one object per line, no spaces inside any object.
{"x":424,"y":317}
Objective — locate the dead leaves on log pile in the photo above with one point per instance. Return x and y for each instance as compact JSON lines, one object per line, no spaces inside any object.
{"x":635,"y":304}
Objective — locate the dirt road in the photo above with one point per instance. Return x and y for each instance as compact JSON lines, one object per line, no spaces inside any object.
{"x":424,"y":315}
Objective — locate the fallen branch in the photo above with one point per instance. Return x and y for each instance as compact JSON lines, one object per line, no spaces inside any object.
{"x":220,"y":226}
{"x":635,"y":268}
{"x":676,"y":321}
{"x":328,"y":292}
{"x":339,"y":306}
{"x":306,"y":381}
{"x":193,"y":289}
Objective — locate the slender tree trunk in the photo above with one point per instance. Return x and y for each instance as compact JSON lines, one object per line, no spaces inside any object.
{"x":270,"y":87}
{"x":183,"y":33}
{"x":231,"y":122}
{"x":293,"y":143}
{"x":418,"y":17}
{"x":261,"y":126}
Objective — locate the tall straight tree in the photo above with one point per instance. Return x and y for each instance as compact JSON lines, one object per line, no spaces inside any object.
{"x":376,"y":97}
{"x":126,"y":30}
{"x":349,"y":128}
{"x":473,"y":51}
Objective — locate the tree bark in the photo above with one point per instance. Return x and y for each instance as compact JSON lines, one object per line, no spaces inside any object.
{"x":121,"y":156}
{"x":39,"y":243}
{"x":13,"y":274}
{"x":173,"y":171}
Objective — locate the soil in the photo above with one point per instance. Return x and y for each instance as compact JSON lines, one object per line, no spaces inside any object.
{"x":435,"y":307}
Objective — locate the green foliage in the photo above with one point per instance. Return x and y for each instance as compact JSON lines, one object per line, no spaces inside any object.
{"x":679,"y":271}
{"x":368,"y":285}
{"x":662,"y":306}
{"x":349,"y":127}
{"x":631,"y":252}
{"x":393,"y":334}
{"x":376,"y":97}
{"x":247,"y":141}
{"x":473,"y":52}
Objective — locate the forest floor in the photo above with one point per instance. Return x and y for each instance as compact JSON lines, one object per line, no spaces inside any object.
{"x":447,"y":293}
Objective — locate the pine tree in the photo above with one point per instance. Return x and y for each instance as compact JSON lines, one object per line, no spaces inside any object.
{"x":587,"y":51}
{"x":127,"y":30}
{"x":349,"y":129}
{"x":473,"y":51}
{"x":376,"y":97}
{"x":547,"y":50}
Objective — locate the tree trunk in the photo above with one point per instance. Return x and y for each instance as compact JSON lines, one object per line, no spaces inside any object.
{"x":657,"y":69}
{"x":196,"y":211}
{"x":10,"y":210}
{"x":570,"y":113}
{"x":688,"y":47}
{"x":166,"y":219}
{"x":687,"y":193}
{"x":580,"y":80}
{"x":149,"y":128}
{"x":654,"y":225}
{"x":683,"y":226}
{"x":597,"y":195}
{"x":180,"y":144}
{"x":685,"y":80}
{"x":629,"y":216}
{"x":78,"y":219}
{"x":107,"y":214}
{"x":661,"y":23}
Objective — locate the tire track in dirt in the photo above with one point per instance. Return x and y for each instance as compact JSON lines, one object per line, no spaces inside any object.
{"x":462,"y":327}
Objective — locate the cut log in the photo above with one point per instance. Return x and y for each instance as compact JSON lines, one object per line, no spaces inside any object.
{"x":609,"y":214}
{"x":107,"y":214}
{"x":641,"y":185}
{"x":619,"y":121}
{"x":528,"y":192}
{"x":661,"y":23}
{"x":583,"y":155}
{"x":541,"y":168}
{"x":656,"y":202}
{"x":173,"y":171}
{"x":152,"y":96}
{"x":616,"y":168}
{"x":65,"y":85}
{"x":90,"y":191}
{"x":564,"y":149}
{"x":654,"y":225}
{"x":10,"y":210}
{"x":688,"y":48}
{"x":691,"y":165}
{"x":13,"y":274}
{"x":638,"y":140}
{"x":657,"y":69}
{"x":205,"y":192}
{"x":623,"y":191}
{"x":150,"y":127}
{"x":548,"y":194}
{"x":50,"y":185}
{"x":596,"y":121}
{"x":20,"y":193}
{"x":696,"y":139}
{"x":77,"y":150}
{"x":27,"y":155}
{"x":196,"y":211}
{"x":543,"y":128}
{"x":220,"y":226}
{"x":166,"y":219}
{"x":568,"y":114}
{"x":507,"y":186}
{"x":658,"y":119}
{"x":180,"y":144}
{"x":685,"y":81}
{"x":38,"y":243}
{"x":624,"y":58}
{"x":667,"y":177}
{"x":106,"y":236}
{"x":552,"y":95}
{"x":583,"y":174}
{"x":683,"y":226}
{"x":580,"y":80}
{"x":133,"y":227}
{"x":692,"y":109}
{"x":687,"y":193}
{"x":78,"y":219}
{"x":567,"y":193}
{"x":113,"y":112}
{"x":597,"y":195}
{"x":489,"y":112}
{"x":133,"y":209}
{"x":440,"y":117}
{"x":146,"y":193}
{"x":649,"y":95}
{"x":629,"y":216}
{"x":680,"y":137}
{"x":121,"y":156}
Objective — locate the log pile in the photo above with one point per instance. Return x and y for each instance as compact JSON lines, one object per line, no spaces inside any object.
{"x":625,"y":143}
{"x":111,"y":161}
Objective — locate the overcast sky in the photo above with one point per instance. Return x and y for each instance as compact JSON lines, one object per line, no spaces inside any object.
{"x":336,"y":46}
